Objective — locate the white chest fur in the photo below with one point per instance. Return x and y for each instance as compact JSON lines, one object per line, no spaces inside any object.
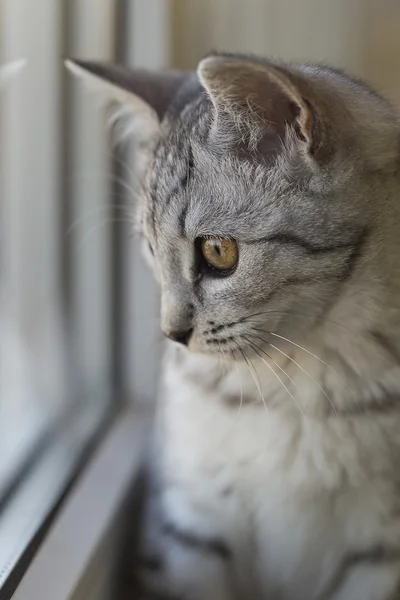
{"x":293,"y":494}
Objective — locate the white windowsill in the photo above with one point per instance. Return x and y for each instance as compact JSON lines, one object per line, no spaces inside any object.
{"x":83,"y":524}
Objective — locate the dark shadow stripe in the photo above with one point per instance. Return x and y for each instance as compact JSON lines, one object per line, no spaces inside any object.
{"x":150,"y":563}
{"x":153,"y":201}
{"x":293,"y":240}
{"x":375,"y":405}
{"x":182,"y":218}
{"x":189,"y":169}
{"x":174,"y":191}
{"x":346,"y":273}
{"x":199,"y":544}
{"x":285,"y":239}
{"x":357,"y":251}
{"x":295,"y":281}
{"x":184,"y":180}
{"x":387,"y":344}
{"x":379,"y":555}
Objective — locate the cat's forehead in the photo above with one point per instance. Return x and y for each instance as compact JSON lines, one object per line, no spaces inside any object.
{"x":196,"y":193}
{"x":182,"y":136}
{"x":193,"y":188}
{"x":181,"y":131}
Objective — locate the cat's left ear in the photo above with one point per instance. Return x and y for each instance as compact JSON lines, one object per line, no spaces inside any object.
{"x":144,"y":94}
{"x":260,"y":100}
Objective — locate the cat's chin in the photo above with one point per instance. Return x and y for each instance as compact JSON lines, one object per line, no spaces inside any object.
{"x":204,"y":351}
{"x":200,"y":349}
{"x":198,"y":353}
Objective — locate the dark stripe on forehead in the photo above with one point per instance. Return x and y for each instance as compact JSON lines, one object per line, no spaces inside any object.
{"x":182,"y":218}
{"x":184,"y":179}
{"x":153,"y":214}
{"x":285,"y":239}
{"x":189,"y":168}
{"x":174,"y":162}
{"x":153,"y":190}
{"x":178,"y":187}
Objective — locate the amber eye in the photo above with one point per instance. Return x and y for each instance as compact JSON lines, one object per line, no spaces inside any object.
{"x":221,"y":255}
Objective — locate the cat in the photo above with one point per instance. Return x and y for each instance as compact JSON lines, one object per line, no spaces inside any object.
{"x":270,"y":215}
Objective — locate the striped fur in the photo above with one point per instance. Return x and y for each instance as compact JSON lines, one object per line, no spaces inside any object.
{"x":276,"y":460}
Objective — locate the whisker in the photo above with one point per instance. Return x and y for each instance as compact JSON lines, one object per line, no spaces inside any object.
{"x":281,"y":337}
{"x":302,"y":369}
{"x":96,"y":212}
{"x":241,"y":385}
{"x":254,"y":375}
{"x":255,"y":346}
{"x":301,"y":313}
{"x":123,"y":163}
{"x":94,"y":229}
{"x":270,"y":358}
{"x":222,"y":362}
{"x":99,"y":176}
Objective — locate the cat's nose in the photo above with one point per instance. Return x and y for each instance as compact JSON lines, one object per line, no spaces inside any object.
{"x":182,"y":337}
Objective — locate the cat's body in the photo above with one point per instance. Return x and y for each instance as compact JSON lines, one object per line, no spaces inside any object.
{"x":272,"y":504}
{"x":277,"y":454}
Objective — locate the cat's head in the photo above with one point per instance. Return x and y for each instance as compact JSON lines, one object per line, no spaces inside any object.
{"x":264,"y":188}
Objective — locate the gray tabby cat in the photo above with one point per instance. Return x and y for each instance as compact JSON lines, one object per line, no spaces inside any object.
{"x":270,"y":215}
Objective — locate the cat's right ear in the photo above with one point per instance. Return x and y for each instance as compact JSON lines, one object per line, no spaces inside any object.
{"x":144,"y":95}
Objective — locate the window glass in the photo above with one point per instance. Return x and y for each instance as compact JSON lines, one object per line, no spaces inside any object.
{"x":57,"y":250}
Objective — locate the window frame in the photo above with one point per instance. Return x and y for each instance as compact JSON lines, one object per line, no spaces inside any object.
{"x":77,"y":559}
{"x":108,"y":444}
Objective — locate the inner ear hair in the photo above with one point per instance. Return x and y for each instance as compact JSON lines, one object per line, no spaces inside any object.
{"x":257,"y":92}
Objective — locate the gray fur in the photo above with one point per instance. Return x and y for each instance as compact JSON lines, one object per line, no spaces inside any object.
{"x":337,"y":201}
{"x":299,"y":164}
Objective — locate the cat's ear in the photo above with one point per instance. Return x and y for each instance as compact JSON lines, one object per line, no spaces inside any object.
{"x":260,"y":99}
{"x":144,"y":94}
{"x":10,"y":69}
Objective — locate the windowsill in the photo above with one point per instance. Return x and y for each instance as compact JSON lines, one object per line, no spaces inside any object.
{"x":30,"y":507}
{"x":79,"y":531}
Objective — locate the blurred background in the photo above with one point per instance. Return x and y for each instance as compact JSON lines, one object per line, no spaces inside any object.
{"x":78,"y":311}
{"x":360,"y":36}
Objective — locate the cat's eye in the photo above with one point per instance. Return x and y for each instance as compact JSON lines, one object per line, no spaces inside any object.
{"x":219,"y":254}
